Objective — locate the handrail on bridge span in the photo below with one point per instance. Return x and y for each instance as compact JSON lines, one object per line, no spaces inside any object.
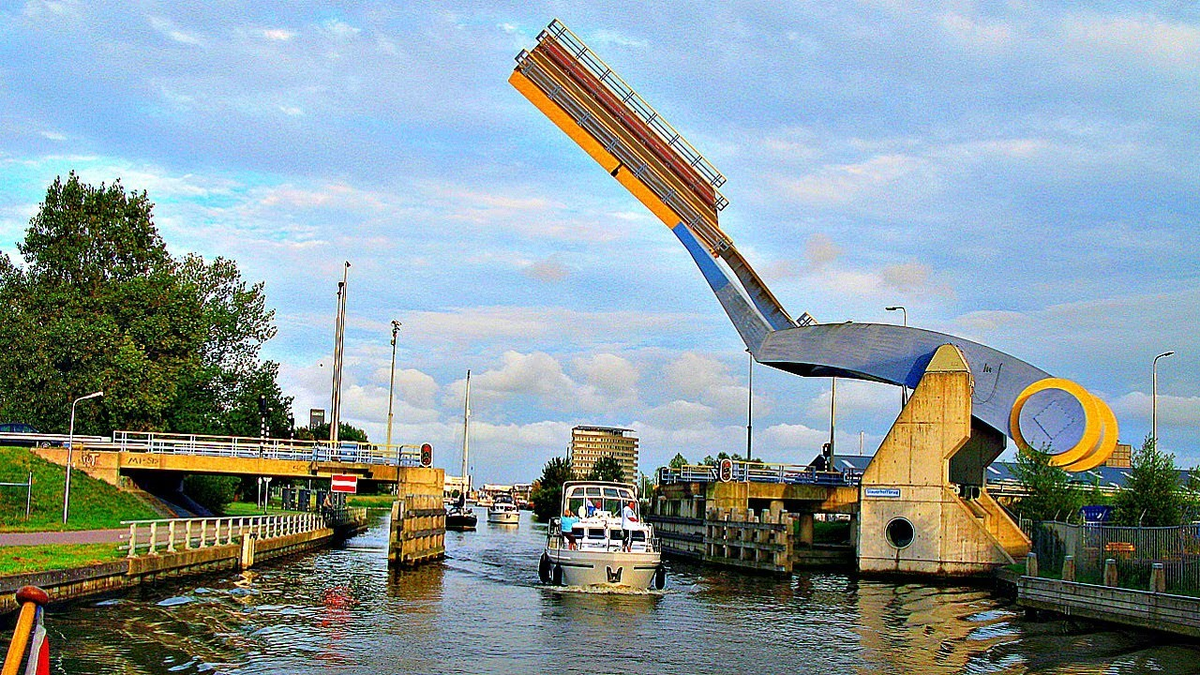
{"x":756,"y":472}
{"x":250,"y":447}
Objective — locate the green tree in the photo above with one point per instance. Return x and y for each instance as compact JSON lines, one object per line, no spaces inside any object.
{"x":1153,"y":495}
{"x":1049,"y":495}
{"x":212,"y":492}
{"x":678,"y":461}
{"x":101,"y":304}
{"x":607,"y":468}
{"x":547,"y":493}
{"x":320,"y":432}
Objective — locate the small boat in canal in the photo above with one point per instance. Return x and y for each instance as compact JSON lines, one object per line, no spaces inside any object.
{"x":603,"y":542}
{"x":460,"y":516}
{"x":503,"y":511}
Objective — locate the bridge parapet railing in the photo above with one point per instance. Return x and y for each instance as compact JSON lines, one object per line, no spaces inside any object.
{"x":171,"y":535}
{"x":248,"y":447}
{"x":755,"y":472}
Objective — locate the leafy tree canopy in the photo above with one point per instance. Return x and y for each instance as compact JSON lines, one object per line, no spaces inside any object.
{"x":320,"y":432}
{"x":678,"y":461}
{"x":547,"y":493}
{"x":1048,"y":487}
{"x":100,"y":304}
{"x":607,"y":468}
{"x":1153,"y":495}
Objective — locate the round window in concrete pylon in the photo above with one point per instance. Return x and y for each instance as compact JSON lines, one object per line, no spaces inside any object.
{"x":899,"y":532}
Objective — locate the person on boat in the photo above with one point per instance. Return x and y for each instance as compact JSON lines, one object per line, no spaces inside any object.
{"x":628,"y":518}
{"x":587,"y":509}
{"x":568,"y":524}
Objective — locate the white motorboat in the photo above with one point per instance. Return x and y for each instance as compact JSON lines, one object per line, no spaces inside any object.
{"x":503,"y":511}
{"x":607,"y":544}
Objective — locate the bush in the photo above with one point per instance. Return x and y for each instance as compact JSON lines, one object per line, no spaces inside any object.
{"x":212,"y":492}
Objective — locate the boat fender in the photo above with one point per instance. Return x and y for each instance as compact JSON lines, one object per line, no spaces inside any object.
{"x":660,"y":577}
{"x":544,"y":568}
{"x":556,"y":575}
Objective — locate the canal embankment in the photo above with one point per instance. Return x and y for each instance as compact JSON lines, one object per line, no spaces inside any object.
{"x":162,"y":549}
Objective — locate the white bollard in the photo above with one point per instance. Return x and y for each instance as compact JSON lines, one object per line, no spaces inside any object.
{"x":132,"y":540}
{"x":171,"y":537}
{"x":154,"y":538}
{"x":187,"y":534}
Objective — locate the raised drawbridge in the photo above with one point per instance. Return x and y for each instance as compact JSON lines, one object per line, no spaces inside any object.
{"x":589,"y":102}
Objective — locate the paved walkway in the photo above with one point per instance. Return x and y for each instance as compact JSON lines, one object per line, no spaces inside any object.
{"x":71,"y":537}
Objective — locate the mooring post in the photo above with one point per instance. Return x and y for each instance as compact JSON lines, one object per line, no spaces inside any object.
{"x":1158,"y":578}
{"x":1110,"y":572}
{"x":1031,"y":565}
{"x":1068,"y":571}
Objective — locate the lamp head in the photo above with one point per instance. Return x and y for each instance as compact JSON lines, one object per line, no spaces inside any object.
{"x":893,"y":308}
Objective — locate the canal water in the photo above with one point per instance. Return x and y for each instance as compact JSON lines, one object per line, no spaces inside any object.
{"x":483,"y":611}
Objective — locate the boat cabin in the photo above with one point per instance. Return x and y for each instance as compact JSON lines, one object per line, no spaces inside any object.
{"x":609,"y":499}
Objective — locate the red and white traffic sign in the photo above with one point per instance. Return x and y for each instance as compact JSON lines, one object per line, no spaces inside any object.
{"x":344,"y":483}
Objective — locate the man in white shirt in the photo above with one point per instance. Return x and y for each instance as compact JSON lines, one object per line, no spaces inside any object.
{"x":628,"y":518}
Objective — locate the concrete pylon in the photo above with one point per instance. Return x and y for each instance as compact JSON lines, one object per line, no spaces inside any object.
{"x":923,"y":505}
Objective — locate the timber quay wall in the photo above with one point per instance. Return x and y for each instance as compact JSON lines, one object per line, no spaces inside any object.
{"x":739,"y":538}
{"x":236,"y":551}
{"x":418,"y":531}
{"x":1179,"y":614}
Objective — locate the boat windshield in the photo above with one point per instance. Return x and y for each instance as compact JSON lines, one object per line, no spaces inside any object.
{"x":607,"y":499}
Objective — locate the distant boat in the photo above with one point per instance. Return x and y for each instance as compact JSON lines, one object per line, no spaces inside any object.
{"x":503,"y":511}
{"x":459,"y":517}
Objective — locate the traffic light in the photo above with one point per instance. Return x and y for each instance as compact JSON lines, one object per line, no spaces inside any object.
{"x":426,"y":454}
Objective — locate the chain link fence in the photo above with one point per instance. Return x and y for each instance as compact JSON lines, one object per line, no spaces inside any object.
{"x":1134,"y":549}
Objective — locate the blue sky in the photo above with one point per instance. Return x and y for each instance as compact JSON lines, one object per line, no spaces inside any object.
{"x":1023,"y":175}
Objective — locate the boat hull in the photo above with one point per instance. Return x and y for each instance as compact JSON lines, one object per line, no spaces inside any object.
{"x":504,"y":517}
{"x":618,"y":569}
{"x":461,"y":521}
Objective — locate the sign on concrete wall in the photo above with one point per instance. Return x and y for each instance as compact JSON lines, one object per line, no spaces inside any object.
{"x":316,"y":417}
{"x":344,"y":483}
{"x":882,"y":492}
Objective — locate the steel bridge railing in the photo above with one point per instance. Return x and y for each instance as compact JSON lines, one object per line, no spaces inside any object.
{"x":605,"y":74}
{"x":754,"y":472}
{"x":345,"y":452}
{"x":171,"y":535}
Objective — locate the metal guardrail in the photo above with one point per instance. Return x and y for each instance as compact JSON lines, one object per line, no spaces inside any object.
{"x":170,"y":535}
{"x":715,"y":238}
{"x":1134,"y":550}
{"x":49,"y":440}
{"x":345,"y":452}
{"x":754,"y":472}
{"x":633,"y":101}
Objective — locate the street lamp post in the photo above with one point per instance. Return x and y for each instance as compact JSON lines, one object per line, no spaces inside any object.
{"x":903,"y":387}
{"x":1154,"y":395}
{"x":391,"y":387}
{"x":70,"y":454}
{"x":750,"y":408}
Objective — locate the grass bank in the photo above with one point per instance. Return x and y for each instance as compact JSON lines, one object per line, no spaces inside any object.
{"x":252,"y":509}
{"x":95,"y":505}
{"x":371,"y":501}
{"x":43,"y":558}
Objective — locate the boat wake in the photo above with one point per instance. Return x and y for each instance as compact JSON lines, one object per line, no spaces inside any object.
{"x":610,"y":590}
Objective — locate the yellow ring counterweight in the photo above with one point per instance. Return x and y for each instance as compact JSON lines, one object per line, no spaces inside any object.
{"x":1100,"y":431}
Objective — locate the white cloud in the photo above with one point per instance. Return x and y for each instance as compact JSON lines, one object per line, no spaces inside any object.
{"x":278,"y":34}
{"x":168,"y":28}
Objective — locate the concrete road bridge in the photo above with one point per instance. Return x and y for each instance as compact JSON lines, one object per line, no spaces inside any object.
{"x":132,"y":454}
